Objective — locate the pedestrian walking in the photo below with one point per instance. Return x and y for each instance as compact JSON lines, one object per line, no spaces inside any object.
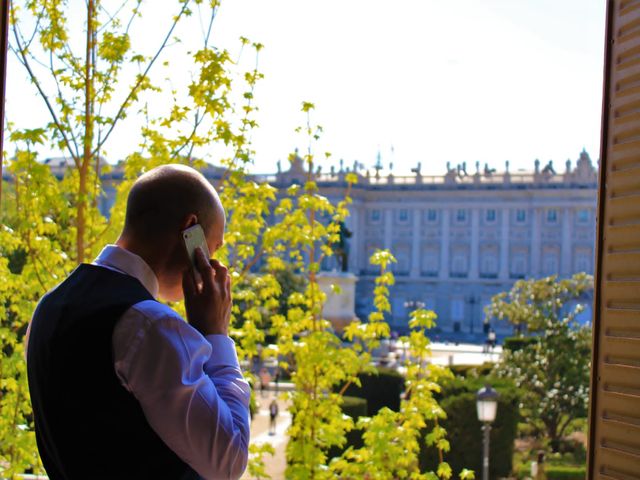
{"x":273,"y":413}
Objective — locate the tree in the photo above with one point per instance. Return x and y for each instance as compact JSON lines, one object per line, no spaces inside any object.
{"x":89,"y":78}
{"x":553,"y":372}
{"x":53,"y":224}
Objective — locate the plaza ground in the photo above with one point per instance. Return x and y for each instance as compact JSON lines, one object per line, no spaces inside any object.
{"x":442,"y":354}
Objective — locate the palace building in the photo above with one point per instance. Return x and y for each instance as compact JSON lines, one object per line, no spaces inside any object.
{"x":462,"y":237}
{"x":458,"y":238}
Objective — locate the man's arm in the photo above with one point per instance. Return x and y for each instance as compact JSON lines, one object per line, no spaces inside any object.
{"x":190,"y":388}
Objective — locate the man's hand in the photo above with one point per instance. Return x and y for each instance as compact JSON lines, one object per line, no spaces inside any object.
{"x":208,"y":306}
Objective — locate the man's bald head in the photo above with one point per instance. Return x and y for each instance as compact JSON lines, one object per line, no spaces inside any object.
{"x":161,"y":200}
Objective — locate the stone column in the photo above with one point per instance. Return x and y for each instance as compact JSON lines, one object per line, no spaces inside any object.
{"x":416,"y":236}
{"x":534,"y":268}
{"x":388,"y":227}
{"x":565,"y":252}
{"x":504,"y":244}
{"x":475,"y":243}
{"x":444,"y":244}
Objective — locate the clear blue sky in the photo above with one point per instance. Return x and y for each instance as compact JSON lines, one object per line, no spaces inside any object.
{"x":485,"y":80}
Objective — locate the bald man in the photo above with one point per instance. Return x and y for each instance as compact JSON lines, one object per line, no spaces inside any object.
{"x":121,"y":386}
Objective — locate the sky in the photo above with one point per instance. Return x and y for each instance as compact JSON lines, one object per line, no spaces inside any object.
{"x":429,"y":81}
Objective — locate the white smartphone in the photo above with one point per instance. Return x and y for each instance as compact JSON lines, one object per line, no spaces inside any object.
{"x":193,"y":238}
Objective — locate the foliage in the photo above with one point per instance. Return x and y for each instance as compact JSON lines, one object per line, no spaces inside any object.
{"x":553,"y":371}
{"x":472,"y":370}
{"x":50,"y":224}
{"x":555,"y":472}
{"x":355,"y":407}
{"x":513,"y":344}
{"x":465,"y":431}
{"x":53,"y":224}
{"x":566,"y":472}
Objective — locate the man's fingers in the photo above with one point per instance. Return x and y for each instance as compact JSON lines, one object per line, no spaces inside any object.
{"x":222,"y":273}
{"x":219,"y":268}
{"x":206,"y":271}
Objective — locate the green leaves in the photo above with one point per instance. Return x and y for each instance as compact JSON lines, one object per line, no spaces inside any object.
{"x":33,"y":136}
{"x":467,"y":475}
{"x":422,"y":318}
{"x":114,"y":47}
{"x":553,"y":372}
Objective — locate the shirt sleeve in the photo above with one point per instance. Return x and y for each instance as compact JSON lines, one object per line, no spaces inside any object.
{"x":190,"y":387}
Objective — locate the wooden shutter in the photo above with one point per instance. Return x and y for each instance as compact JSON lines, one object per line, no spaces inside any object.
{"x":4,"y":30}
{"x":614,"y":437}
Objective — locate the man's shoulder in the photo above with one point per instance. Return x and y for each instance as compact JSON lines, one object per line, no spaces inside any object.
{"x":154,"y":310}
{"x":142,"y":320}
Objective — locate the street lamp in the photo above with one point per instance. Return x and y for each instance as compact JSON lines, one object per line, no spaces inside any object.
{"x":414,"y":304}
{"x":487,"y":403}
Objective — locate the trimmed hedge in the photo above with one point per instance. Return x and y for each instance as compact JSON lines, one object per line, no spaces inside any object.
{"x":354,"y":407}
{"x":375,"y":392}
{"x":464,"y":431}
{"x":472,"y":370}
{"x":555,"y":472}
{"x":518,"y":343}
{"x":381,"y":390}
{"x":562,"y":472}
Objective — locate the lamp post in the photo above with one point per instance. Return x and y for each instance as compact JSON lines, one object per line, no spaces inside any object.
{"x":472,"y":299}
{"x":487,"y":404}
{"x":414,"y":304}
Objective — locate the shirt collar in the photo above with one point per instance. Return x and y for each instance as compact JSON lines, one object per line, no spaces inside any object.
{"x":124,"y":261}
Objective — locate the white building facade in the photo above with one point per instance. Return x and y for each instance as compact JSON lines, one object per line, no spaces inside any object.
{"x":461,"y":238}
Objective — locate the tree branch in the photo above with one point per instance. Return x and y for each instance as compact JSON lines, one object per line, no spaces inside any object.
{"x":62,"y":101}
{"x":141,"y":78}
{"x":20,"y":53}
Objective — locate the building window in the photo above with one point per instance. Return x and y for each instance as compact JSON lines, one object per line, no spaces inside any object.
{"x":552,"y":215}
{"x":402,"y":254}
{"x":489,"y":266}
{"x":459,"y":267}
{"x":584,"y":216}
{"x":550,"y":264}
{"x":457,"y":309}
{"x":374,"y":215}
{"x":521,"y":215}
{"x":431,"y":262}
{"x":461,"y":215}
{"x":518,"y":266}
{"x":583,"y":260}
{"x":403,"y":215}
{"x":491,"y":215}
{"x":432,"y":215}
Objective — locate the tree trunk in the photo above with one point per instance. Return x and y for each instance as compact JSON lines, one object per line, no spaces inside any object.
{"x":81,"y":217}
{"x":88,"y":132}
{"x":554,"y":438}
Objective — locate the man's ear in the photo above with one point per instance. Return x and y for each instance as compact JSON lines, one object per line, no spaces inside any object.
{"x":189,"y":221}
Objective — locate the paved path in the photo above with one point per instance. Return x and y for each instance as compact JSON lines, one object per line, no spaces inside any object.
{"x":275,"y":466}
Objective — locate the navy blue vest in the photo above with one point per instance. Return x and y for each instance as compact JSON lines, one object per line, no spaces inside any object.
{"x":87,"y":424}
